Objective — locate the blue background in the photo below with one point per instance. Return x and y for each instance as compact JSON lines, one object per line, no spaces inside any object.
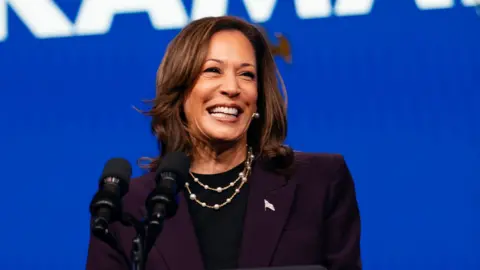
{"x":396,"y":91}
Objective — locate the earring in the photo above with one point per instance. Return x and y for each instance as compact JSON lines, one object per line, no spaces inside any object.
{"x":255,"y":115}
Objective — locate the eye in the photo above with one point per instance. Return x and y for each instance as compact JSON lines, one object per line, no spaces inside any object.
{"x":251,"y":75}
{"x":212,"y":69}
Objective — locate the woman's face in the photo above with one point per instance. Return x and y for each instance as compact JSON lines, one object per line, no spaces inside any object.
{"x":220,"y":106}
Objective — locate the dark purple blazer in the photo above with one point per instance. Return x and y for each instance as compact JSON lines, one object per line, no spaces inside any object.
{"x":315,"y":221}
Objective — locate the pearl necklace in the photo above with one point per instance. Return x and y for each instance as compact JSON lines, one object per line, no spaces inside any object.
{"x":242,"y":178}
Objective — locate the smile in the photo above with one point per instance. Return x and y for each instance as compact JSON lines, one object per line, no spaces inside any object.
{"x":225,"y":113}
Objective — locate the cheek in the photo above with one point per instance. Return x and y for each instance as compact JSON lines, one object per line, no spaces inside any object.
{"x":193,"y":103}
{"x":252,"y":98}
{"x":190,"y":107}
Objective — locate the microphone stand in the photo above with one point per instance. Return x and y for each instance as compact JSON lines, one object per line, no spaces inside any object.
{"x":160,"y":205}
{"x":138,"y":256}
{"x":147,"y":232}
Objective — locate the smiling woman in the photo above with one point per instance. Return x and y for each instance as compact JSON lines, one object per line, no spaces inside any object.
{"x":250,"y":200}
{"x":226,"y":90}
{"x":211,"y":79}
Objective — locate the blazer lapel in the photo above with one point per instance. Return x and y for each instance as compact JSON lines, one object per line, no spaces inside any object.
{"x":178,"y":240}
{"x":268,"y":207}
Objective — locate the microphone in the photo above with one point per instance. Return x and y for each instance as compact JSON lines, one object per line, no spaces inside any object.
{"x":170,"y":178}
{"x":106,"y":204}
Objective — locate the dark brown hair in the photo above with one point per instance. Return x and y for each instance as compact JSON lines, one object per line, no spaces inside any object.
{"x":181,"y":66}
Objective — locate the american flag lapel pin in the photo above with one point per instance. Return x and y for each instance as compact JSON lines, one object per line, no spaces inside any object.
{"x":268,"y":205}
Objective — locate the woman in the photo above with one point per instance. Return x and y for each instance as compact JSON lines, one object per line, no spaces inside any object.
{"x":250,"y":200}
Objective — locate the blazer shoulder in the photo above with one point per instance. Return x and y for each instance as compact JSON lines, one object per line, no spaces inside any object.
{"x":314,"y":166}
{"x":139,"y":188}
{"x":319,"y":160}
{"x":143,"y":182}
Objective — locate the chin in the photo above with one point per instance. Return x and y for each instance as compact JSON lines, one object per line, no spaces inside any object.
{"x":223,"y":131}
{"x":224,"y":137}
{"x":223,"y":134}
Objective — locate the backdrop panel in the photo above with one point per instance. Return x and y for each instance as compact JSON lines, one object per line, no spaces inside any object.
{"x":392,"y":85}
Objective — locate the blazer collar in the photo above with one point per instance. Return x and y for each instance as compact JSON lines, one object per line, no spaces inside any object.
{"x":262,"y":225}
{"x":177,"y":243}
{"x":269,"y":203}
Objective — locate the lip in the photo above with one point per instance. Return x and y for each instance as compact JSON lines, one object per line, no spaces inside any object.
{"x":228,"y":105}
{"x":228,"y":120}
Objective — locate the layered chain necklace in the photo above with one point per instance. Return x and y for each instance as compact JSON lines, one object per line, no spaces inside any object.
{"x":242,"y":178}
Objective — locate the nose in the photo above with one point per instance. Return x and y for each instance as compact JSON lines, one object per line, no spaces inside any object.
{"x":230,"y":85}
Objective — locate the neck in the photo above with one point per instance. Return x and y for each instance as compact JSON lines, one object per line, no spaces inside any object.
{"x":213,"y":160}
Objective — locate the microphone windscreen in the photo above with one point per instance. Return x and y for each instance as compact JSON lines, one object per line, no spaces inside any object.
{"x":118,"y":168}
{"x":175,"y":162}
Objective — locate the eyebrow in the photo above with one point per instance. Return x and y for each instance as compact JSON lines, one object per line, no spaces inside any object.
{"x":222,"y":62}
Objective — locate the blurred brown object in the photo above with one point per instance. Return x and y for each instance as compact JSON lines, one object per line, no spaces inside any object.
{"x":283,"y":49}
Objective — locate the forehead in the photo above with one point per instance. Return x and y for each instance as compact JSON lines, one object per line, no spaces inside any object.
{"x":231,"y":45}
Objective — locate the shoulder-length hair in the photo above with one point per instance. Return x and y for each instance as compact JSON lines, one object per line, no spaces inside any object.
{"x":181,"y":66}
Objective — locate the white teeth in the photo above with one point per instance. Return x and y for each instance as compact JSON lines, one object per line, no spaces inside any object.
{"x":225,"y":110}
{"x":223,"y":115}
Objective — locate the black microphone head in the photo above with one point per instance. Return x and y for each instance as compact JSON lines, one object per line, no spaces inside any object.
{"x":118,"y":170}
{"x":177,"y":163}
{"x":170,"y":178}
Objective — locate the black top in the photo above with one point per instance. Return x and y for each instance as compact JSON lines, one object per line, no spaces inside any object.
{"x":219,"y":232}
